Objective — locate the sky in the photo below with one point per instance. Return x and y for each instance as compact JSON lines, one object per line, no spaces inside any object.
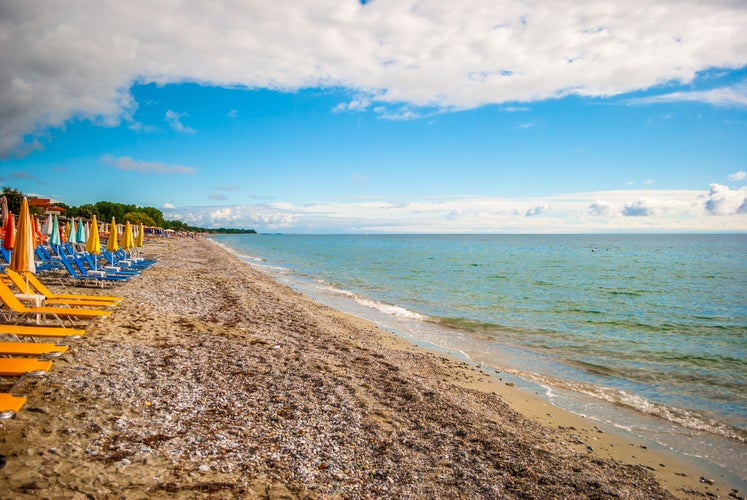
{"x":383,"y":116}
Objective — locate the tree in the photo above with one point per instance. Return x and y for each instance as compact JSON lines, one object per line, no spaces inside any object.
{"x":139,"y":217}
{"x":87,"y":211}
{"x":15,"y":197}
{"x":154,"y":214}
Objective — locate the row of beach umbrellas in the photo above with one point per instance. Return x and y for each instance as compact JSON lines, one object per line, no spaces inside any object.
{"x":23,"y":240}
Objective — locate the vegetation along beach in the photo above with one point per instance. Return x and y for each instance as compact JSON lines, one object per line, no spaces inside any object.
{"x":213,"y":380}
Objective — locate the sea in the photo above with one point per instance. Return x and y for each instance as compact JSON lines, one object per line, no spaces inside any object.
{"x":646,"y":334}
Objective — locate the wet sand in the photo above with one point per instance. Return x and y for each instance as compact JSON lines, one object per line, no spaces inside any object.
{"x":213,"y":380}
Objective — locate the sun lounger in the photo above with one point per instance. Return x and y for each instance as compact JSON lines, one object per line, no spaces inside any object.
{"x":21,"y":283}
{"x":18,"y":367}
{"x":31,"y":349}
{"x":98,"y":279}
{"x":22,"y":368}
{"x":40,"y":331}
{"x":43,"y":290}
{"x":108,"y":270}
{"x":16,"y":308}
{"x":10,"y":404}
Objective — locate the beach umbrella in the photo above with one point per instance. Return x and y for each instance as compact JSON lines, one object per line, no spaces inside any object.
{"x":64,"y":231}
{"x":22,"y":258}
{"x":80,"y":234}
{"x":111,"y":244}
{"x":47,"y":226}
{"x":10,"y":232}
{"x":140,"y":236}
{"x":4,"y":208}
{"x":72,"y":236}
{"x":128,"y":242}
{"x":93,"y":243}
{"x":54,"y":238}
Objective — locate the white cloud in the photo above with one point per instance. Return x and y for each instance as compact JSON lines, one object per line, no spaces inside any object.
{"x":64,"y":60}
{"x":146,"y":167}
{"x":168,"y":205}
{"x":735,"y":96}
{"x":737,"y":176}
{"x":174,"y":120}
{"x":607,"y":211}
{"x":724,"y":201}
{"x":538,"y":210}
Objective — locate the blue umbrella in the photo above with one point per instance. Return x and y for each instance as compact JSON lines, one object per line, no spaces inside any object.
{"x":81,"y":235}
{"x":54,"y":238}
{"x":72,"y":236}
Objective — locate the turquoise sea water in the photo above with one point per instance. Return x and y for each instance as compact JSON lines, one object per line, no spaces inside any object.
{"x":645,"y":332}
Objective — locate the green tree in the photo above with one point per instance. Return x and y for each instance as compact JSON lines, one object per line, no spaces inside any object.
{"x":14,"y":197}
{"x":86,"y":211}
{"x":154,"y":214}
{"x":139,"y":217}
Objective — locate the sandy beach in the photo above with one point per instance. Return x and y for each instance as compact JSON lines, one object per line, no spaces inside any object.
{"x":213,"y":380}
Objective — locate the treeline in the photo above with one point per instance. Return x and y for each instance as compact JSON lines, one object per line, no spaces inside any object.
{"x":105,"y":210}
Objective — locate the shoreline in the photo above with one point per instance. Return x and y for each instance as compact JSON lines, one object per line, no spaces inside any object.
{"x":214,"y":379}
{"x":578,"y":405}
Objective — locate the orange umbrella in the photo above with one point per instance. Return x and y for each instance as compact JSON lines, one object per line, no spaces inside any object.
{"x":22,"y":258}
{"x":10,"y":232}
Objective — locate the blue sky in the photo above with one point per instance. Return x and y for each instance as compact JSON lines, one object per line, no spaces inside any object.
{"x":407,"y":116}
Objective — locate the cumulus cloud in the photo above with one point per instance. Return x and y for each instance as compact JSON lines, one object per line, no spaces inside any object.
{"x":146,"y":167}
{"x":737,"y":176}
{"x":64,"y":60}
{"x":538,"y":210}
{"x":639,"y":208}
{"x":602,"y":208}
{"x":725,"y":201}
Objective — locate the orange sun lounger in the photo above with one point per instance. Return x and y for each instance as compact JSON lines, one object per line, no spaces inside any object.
{"x":17,"y":308}
{"x":40,"y":331}
{"x":67,"y":298}
{"x":31,"y":349}
{"x":10,"y":404}
{"x":18,"y":367}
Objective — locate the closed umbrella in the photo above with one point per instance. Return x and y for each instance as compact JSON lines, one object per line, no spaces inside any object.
{"x":93,"y":243}
{"x":22,"y":258}
{"x":64,"y":231}
{"x":54,"y":238}
{"x":111,"y":244}
{"x":128,"y":242}
{"x":72,"y":235}
{"x":47,"y":226}
{"x":140,"y":236}
{"x":80,"y":234}
{"x":10,"y":232}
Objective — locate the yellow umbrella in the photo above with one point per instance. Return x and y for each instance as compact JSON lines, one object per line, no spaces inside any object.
{"x":22,"y":258}
{"x":128,"y":241}
{"x":140,"y":236}
{"x":111,"y":244}
{"x":93,"y":243}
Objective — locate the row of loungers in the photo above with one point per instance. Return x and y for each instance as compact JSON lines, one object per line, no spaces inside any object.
{"x":80,"y":267}
{"x":21,"y":327}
